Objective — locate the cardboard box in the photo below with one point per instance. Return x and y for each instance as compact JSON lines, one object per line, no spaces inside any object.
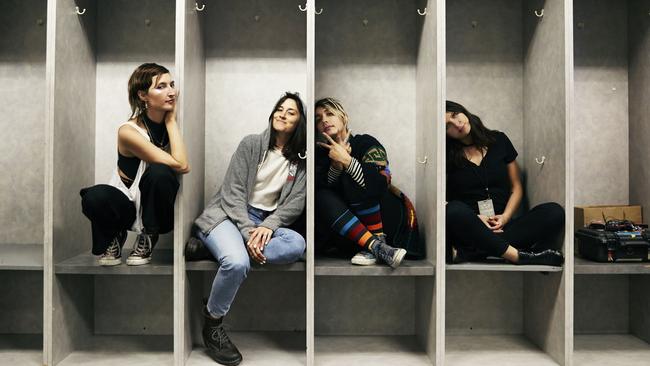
{"x":583,"y":215}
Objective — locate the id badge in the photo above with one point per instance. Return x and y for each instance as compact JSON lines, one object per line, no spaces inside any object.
{"x":486,"y":208}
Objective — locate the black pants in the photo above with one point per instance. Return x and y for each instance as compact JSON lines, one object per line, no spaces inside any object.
{"x":110,"y":211}
{"x":331,"y":203}
{"x":538,"y":228}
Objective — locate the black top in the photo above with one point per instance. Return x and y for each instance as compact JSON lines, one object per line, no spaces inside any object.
{"x":467,"y":183}
{"x":129,"y":165}
{"x":372,"y":157}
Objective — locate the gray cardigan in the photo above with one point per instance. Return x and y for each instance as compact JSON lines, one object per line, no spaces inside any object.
{"x":231,"y":201}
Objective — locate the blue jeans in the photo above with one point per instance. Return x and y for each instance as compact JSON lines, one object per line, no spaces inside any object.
{"x":227,"y":245}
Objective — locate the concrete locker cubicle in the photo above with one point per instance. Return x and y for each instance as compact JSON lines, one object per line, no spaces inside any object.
{"x":507,"y":62}
{"x":99,"y":314}
{"x":612,"y":74}
{"x":239,"y":58}
{"x":379,"y":58}
{"x":22,"y":74}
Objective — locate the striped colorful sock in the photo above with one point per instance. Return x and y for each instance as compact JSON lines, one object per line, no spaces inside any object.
{"x":349,"y":226}
{"x":370,"y":217}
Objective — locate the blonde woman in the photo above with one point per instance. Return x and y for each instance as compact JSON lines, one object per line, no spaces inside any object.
{"x":357,"y":208}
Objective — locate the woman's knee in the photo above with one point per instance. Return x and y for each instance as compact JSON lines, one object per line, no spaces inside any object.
{"x":554,"y":213}
{"x":292,"y":244}
{"x":458,"y":211}
{"x":161,"y":173}
{"x":95,"y":198}
{"x":329,"y":206}
{"x":236,"y":265}
{"x":294,"y":241}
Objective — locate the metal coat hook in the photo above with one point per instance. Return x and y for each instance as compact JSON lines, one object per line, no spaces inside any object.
{"x":540,"y":161}
{"x":540,"y":13}
{"x":301,"y":8}
{"x":79,"y":12}
{"x":424,"y":161}
{"x":423,"y":13}
{"x":257,"y":18}
{"x":196,"y":7}
{"x":319,"y":12}
{"x":302,"y":156}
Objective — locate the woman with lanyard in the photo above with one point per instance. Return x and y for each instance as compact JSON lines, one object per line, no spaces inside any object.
{"x":150,"y":152}
{"x":484,"y":191}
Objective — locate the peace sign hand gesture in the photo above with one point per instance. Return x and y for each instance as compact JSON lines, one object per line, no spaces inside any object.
{"x":339,"y":153}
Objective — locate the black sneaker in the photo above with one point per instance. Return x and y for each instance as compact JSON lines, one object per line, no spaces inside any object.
{"x":548,"y":257}
{"x":219,"y":347}
{"x":142,"y":249}
{"x":113,"y":254}
{"x":384,"y":252}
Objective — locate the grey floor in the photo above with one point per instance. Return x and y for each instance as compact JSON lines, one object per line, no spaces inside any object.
{"x":369,"y":351}
{"x":261,"y":349}
{"x":123,"y":351}
{"x":610,"y":349}
{"x":21,"y":349}
{"x":494,"y":350}
{"x":21,"y":357}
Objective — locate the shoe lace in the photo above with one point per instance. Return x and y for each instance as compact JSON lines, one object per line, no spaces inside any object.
{"x":384,"y":253}
{"x":218,"y":334}
{"x":142,"y":245}
{"x":113,"y":249}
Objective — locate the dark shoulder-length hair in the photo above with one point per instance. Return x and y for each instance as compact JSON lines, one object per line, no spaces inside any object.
{"x":482,"y":137}
{"x":298,"y":141}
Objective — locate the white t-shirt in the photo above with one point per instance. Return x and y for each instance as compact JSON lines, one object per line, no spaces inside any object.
{"x":269,"y":181}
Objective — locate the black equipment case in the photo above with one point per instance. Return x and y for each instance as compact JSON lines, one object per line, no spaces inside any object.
{"x":612,"y":246}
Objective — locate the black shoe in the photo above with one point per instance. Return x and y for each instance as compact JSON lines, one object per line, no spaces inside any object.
{"x":113,"y":254}
{"x":195,"y":250}
{"x":467,"y":255}
{"x":142,"y":249}
{"x":548,"y":257}
{"x":219,"y":347}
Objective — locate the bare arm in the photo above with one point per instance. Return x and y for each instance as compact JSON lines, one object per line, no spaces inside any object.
{"x":132,"y":143}
{"x":517,"y":191}
{"x":178,"y":150}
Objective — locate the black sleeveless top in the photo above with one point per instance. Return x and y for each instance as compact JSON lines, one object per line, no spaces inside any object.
{"x":129,"y":165}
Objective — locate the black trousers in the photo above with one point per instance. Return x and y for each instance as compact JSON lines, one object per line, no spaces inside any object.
{"x":537,"y":229}
{"x":111,"y":212}
{"x":331,"y":203}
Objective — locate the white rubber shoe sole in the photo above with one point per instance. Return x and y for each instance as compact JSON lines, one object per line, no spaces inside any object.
{"x":398,"y":257}
{"x":108,"y":262}
{"x":137,"y":261}
{"x":364,"y":259}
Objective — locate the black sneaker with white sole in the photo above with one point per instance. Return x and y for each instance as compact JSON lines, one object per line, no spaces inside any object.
{"x":113,"y":254}
{"x":142,"y":249}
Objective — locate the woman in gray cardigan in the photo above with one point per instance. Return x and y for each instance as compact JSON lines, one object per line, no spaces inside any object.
{"x":263,"y":192}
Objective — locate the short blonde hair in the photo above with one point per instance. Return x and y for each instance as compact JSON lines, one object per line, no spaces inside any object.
{"x":334,"y":106}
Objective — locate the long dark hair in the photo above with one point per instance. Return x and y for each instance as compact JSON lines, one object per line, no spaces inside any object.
{"x":482,"y":137}
{"x":298,"y":141}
